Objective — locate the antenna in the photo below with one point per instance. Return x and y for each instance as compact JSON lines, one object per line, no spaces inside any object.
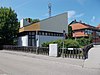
{"x":49,"y":7}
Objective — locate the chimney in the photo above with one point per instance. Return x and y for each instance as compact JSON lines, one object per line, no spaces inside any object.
{"x":29,"y":20}
{"x":75,"y":20}
{"x":23,"y":22}
{"x":80,"y":21}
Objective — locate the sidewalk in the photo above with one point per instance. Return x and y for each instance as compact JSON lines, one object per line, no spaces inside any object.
{"x":93,"y":60}
{"x":2,"y":73}
{"x":72,"y":61}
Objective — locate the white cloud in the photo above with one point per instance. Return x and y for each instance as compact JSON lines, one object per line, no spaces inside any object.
{"x":71,"y":14}
{"x":81,"y":1}
{"x":93,"y":18}
{"x":79,"y":15}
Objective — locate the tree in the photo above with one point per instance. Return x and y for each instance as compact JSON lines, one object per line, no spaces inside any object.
{"x":8,"y":25}
{"x":70,"y":32}
{"x":33,"y":20}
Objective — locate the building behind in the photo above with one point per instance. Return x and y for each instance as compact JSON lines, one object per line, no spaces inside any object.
{"x":85,"y":30}
{"x":34,"y":34}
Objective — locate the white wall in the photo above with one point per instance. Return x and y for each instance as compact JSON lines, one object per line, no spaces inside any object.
{"x":23,"y":23}
{"x":55,"y":24}
{"x":42,"y":39}
{"x":23,"y":41}
{"x":53,"y":50}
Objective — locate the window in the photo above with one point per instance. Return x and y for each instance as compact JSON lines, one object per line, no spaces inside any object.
{"x":33,"y":33}
{"x":29,"y":33}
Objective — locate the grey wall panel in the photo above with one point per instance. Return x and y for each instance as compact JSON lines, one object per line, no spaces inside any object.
{"x":43,"y":39}
{"x":55,"y":24}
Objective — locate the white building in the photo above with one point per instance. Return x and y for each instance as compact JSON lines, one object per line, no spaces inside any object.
{"x":44,"y":31}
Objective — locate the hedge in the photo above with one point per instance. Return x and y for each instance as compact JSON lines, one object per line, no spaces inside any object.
{"x":69,"y":43}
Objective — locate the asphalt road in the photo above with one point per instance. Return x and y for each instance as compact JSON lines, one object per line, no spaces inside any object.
{"x":16,"y":64}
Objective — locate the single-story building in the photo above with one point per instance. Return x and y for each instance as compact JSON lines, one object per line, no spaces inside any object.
{"x":34,"y":34}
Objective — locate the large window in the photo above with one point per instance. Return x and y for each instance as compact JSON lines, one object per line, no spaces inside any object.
{"x":97,"y":33}
{"x":87,"y":31}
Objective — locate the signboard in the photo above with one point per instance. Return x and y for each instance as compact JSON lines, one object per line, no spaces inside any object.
{"x":70,"y":49}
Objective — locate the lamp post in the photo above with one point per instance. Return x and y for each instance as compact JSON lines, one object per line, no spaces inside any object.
{"x":95,"y":37}
{"x":64,"y":34}
{"x":36,"y":42}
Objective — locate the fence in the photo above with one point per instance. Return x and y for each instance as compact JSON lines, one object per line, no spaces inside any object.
{"x":71,"y":53}
{"x":36,"y":50}
{"x":79,"y":53}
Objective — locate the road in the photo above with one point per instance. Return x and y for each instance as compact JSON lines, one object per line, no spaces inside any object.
{"x":18,"y":63}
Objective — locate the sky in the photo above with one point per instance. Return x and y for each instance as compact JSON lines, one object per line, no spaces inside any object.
{"x":88,"y":11}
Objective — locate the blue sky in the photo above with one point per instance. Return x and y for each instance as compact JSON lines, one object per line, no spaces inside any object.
{"x":86,"y":10}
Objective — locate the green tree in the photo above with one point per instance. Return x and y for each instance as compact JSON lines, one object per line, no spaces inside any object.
{"x":33,"y":20}
{"x":8,"y":25}
{"x":70,"y":32}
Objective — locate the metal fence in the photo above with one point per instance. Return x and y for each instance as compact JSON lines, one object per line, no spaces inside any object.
{"x":79,"y":53}
{"x":36,"y":50}
{"x":74,"y":53}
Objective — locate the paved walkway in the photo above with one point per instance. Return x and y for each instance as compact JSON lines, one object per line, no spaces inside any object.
{"x":2,"y":72}
{"x":93,"y":60}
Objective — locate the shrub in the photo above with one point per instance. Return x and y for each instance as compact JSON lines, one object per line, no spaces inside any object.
{"x":69,"y":43}
{"x":84,"y":41}
{"x":46,"y":44}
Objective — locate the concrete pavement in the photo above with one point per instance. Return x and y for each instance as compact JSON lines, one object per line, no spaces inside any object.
{"x":93,"y":60}
{"x":19,"y":63}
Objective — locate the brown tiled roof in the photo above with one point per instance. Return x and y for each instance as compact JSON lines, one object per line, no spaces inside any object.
{"x":77,"y":26}
{"x":98,"y":26}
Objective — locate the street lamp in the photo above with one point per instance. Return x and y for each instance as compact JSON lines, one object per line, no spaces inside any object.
{"x":64,"y":35}
{"x":36,"y":42}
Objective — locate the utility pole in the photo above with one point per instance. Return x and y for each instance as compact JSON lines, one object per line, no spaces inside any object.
{"x":49,"y":7}
{"x":36,"y":42}
{"x":63,"y":43}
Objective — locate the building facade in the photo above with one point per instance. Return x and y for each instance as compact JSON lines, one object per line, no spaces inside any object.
{"x":46,"y":30}
{"x":85,"y":30}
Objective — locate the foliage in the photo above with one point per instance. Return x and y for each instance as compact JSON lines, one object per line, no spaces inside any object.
{"x":46,"y":44}
{"x":70,"y":32}
{"x":33,"y":20}
{"x":8,"y":25}
{"x":84,"y":41}
{"x":69,"y":43}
